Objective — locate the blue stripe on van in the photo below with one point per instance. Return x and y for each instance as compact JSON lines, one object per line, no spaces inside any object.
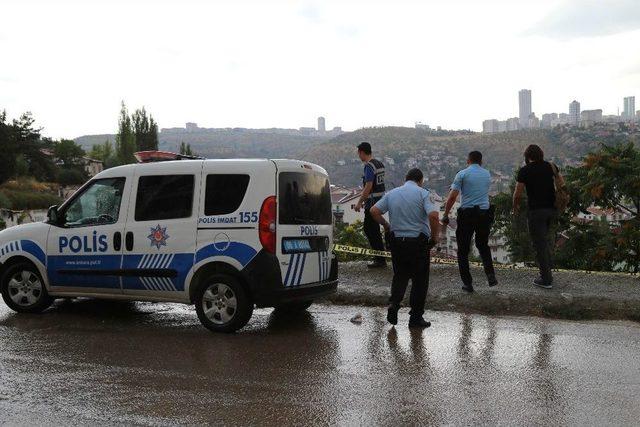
{"x":304,"y":259}
{"x":295,"y":271}
{"x":241,"y":252}
{"x":286,"y":277}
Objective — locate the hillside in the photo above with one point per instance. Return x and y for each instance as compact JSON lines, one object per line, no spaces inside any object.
{"x":439,"y":154}
{"x":440,"y":157}
{"x":88,"y":141}
{"x":225,"y":143}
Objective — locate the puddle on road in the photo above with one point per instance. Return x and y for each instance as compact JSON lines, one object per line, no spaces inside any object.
{"x":144,"y":362}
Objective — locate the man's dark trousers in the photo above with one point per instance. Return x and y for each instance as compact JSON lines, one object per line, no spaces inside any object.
{"x":540,"y":221}
{"x":372,"y":231}
{"x":410,"y":258}
{"x":474,"y":221}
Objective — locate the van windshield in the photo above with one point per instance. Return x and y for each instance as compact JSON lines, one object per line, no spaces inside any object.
{"x":304,"y":198}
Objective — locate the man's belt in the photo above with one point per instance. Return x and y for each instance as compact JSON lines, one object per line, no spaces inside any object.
{"x":421,"y":238}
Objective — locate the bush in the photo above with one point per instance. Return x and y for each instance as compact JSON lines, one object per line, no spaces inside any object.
{"x":28,"y":184}
{"x":21,"y":200}
{"x":4,"y":201}
{"x":71,"y":177}
{"x":350,"y":235}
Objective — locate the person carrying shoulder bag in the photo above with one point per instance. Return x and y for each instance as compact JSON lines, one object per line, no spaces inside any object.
{"x":547,"y":196}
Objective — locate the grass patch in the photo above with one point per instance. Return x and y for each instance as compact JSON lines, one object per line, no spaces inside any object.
{"x":27,"y":194}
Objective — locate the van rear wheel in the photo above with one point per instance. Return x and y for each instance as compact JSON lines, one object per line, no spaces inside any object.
{"x":222,"y":304}
{"x":293,"y":307}
{"x":23,"y":289}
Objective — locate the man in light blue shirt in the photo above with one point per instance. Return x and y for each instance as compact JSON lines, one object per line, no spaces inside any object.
{"x":414,"y":227}
{"x":475,"y":216}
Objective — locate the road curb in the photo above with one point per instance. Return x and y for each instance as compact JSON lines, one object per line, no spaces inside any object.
{"x":574,"y":300}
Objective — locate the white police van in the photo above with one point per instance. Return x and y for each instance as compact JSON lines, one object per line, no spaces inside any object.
{"x":225,"y":235}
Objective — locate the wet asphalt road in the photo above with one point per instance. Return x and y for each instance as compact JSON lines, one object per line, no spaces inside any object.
{"x":96,"y":362}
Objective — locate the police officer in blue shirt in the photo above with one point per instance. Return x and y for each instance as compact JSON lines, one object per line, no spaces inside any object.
{"x":372,"y":190}
{"x":413,"y":231}
{"x":475,"y":216}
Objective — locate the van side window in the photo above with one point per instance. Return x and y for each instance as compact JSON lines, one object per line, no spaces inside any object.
{"x":163,"y":197}
{"x":224,"y":193}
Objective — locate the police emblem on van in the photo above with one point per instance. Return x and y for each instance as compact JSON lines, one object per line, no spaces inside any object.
{"x":158,"y":236}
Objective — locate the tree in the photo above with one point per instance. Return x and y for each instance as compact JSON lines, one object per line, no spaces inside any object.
{"x":72,"y":176}
{"x":21,"y":166}
{"x":69,"y":153}
{"x":105,"y":153}
{"x":514,"y":227}
{"x":35,"y":150}
{"x":125,"y":139}
{"x":8,"y":149}
{"x":585,"y":247}
{"x":186,"y":149}
{"x":145,"y":130}
{"x":610,"y":178}
{"x":22,"y":151}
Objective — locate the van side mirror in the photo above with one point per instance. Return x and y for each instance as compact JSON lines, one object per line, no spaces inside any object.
{"x":52,"y":214}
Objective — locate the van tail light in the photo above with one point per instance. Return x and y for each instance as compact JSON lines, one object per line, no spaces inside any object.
{"x":267,"y":224}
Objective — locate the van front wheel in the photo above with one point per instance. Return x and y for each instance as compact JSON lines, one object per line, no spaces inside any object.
{"x":23,"y":289}
{"x":222,"y":304}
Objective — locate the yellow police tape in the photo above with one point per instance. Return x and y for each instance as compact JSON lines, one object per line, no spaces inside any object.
{"x":438,"y":260}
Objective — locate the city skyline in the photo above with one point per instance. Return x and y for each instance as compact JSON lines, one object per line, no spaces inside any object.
{"x":527,"y":118}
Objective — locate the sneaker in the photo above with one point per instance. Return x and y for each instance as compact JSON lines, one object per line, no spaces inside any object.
{"x":392,"y":314}
{"x":418,"y":322}
{"x":377,"y":264}
{"x":492,"y":281}
{"x":542,"y":284}
{"x":467,"y":288}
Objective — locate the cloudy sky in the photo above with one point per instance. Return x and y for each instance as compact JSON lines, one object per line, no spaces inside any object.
{"x":282,"y":63}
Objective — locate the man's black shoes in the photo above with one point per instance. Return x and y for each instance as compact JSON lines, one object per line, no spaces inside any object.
{"x":377,"y":264}
{"x":539,"y":282}
{"x":392,"y":314}
{"x":492,"y":280}
{"x":467,"y":288}
{"x":418,"y":322}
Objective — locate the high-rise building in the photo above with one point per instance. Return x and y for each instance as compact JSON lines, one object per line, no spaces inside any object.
{"x":321,"y":124}
{"x":524,"y":103}
{"x":629,"y":106}
{"x":490,"y":126}
{"x":548,"y":120}
{"x":590,"y":117}
{"x":513,"y":124}
{"x":574,"y":112}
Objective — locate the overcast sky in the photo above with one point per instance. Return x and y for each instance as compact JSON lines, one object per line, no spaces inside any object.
{"x":283,"y":63}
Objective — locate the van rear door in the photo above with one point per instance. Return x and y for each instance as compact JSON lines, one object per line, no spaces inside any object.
{"x":305,"y":225}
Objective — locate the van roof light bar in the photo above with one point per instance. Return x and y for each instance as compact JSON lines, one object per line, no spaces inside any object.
{"x":162,"y":156}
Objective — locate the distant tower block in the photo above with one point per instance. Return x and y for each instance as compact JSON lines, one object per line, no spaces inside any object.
{"x":524,"y":107}
{"x":321,"y":124}
{"x":574,"y":112}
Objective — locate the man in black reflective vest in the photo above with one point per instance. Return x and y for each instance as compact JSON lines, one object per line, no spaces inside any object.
{"x":372,"y":191}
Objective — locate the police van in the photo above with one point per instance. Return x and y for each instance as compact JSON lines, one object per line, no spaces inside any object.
{"x":225,"y":235}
